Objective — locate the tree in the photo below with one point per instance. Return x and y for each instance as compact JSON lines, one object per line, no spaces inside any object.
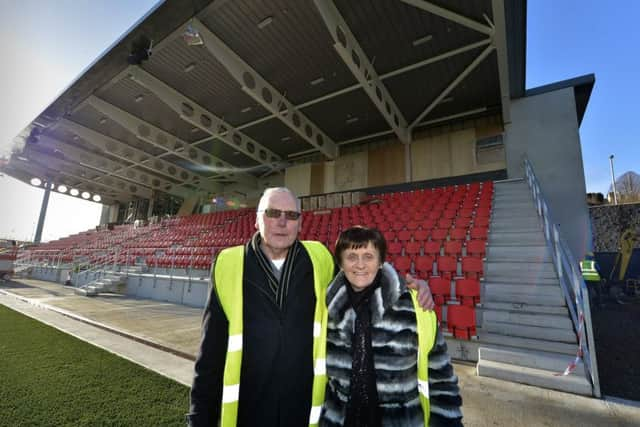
{"x":627,"y":187}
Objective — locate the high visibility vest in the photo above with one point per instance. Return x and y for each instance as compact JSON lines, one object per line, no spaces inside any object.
{"x":228,"y":277}
{"x":426,"y":326}
{"x":589,"y":272}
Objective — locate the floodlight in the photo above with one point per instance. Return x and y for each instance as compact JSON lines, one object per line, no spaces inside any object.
{"x":62,"y":188}
{"x":36,"y":182}
{"x":74,"y":192}
{"x":85,"y":195}
{"x":96,"y":198}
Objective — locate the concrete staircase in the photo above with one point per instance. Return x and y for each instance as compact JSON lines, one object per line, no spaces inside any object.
{"x":526,"y":334}
{"x":109,"y":282}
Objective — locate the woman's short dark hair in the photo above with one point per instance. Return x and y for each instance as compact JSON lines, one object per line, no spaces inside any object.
{"x":359,"y":237}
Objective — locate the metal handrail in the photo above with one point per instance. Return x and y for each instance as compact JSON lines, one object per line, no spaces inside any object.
{"x":571,"y":281}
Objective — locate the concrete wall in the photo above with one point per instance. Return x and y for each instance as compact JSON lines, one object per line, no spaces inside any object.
{"x":298,"y":179}
{"x":545,"y":129}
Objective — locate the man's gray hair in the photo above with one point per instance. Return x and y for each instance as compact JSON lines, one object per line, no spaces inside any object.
{"x":263,"y":203}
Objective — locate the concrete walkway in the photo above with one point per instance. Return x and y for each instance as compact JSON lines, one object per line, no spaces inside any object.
{"x":164,"y":337}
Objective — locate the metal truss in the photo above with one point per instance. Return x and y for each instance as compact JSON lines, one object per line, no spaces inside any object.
{"x":160,"y":138}
{"x":141,"y":158}
{"x":265,"y":94}
{"x":356,"y":60}
{"x":203,"y":119}
{"x":112,"y":173}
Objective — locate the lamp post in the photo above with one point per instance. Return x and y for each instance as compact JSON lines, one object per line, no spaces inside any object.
{"x":613,"y":181}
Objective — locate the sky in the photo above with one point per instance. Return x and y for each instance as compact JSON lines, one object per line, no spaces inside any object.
{"x":45,"y":45}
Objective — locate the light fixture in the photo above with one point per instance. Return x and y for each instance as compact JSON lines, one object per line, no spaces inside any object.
{"x":74,"y":192}
{"x":194,"y":129}
{"x":189,"y":67}
{"x":316,"y":81}
{"x":421,"y":40}
{"x":85,"y":195}
{"x":352,"y":120}
{"x":245,"y":110}
{"x":103,"y":120}
{"x":36,"y":182}
{"x":266,"y":21}
{"x":96,"y":198}
{"x":286,"y":138}
{"x":446,"y":100}
{"x":139,"y":98}
{"x":62,"y":189}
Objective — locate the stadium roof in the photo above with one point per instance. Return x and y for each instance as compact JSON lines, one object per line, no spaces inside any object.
{"x":200,"y":94}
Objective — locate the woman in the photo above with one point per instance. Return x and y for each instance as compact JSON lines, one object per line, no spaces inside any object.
{"x":375,"y":375}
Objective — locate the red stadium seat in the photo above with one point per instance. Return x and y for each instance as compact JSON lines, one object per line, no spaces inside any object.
{"x":468,"y":291}
{"x":472,"y":267}
{"x":440,"y":289}
{"x":432,"y":248}
{"x":424,"y":266}
{"x":476,"y":248}
{"x":412,"y":249}
{"x":459,"y":234}
{"x":479,"y":233}
{"x":453,"y":248}
{"x":403,"y":265}
{"x":421,"y":235}
{"x":404,"y":235}
{"x":439,"y":234}
{"x":461,"y":321}
{"x":447,"y":266}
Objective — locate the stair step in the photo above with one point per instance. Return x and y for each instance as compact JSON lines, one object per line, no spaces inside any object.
{"x":527,"y":343}
{"x":535,"y":332}
{"x":525,"y":308}
{"x":542,"y":269}
{"x":556,"y":300}
{"x":521,"y":253}
{"x":553,"y":362}
{"x":536,"y":377}
{"x":527,"y":319}
{"x":519,"y":238}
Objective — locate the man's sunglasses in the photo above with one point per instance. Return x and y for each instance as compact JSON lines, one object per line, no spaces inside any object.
{"x":276,"y":213}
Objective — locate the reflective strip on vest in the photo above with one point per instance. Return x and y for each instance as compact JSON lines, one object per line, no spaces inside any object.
{"x":589,"y":272}
{"x":426,"y":327}
{"x":228,"y":285}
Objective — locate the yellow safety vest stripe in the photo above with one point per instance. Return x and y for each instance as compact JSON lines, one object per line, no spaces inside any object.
{"x":589,"y":272}
{"x":426,"y":327}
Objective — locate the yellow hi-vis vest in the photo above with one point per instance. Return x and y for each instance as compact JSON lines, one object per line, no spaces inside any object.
{"x":228,"y":281}
{"x":426,"y":326}
{"x":589,"y":272}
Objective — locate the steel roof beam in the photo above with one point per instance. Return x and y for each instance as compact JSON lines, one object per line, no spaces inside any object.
{"x":500,"y":41}
{"x":157,"y":137}
{"x":357,"y":61}
{"x":264,"y":93}
{"x":203,"y":119}
{"x":141,"y":158}
{"x":108,"y":167}
{"x":69,"y":175}
{"x":451,"y":16}
{"x":452,"y":85}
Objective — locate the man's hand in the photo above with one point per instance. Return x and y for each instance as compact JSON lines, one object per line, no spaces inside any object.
{"x":424,"y":293}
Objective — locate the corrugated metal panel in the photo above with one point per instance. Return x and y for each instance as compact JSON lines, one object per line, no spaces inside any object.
{"x":208,"y":84}
{"x":289,"y":53}
{"x":332,"y":116}
{"x":386,"y":30}
{"x":278,"y":137}
{"x":137,"y":100}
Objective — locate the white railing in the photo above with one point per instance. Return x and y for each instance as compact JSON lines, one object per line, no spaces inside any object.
{"x":571,"y":281}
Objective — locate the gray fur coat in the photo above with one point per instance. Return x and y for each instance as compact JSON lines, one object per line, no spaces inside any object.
{"x":395,"y":347}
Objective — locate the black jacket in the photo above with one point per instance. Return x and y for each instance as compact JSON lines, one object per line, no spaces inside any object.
{"x":277,"y":353}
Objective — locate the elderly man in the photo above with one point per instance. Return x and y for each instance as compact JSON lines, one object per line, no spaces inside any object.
{"x":262,"y":354}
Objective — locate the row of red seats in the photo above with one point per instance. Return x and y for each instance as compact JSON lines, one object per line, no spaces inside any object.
{"x":425,"y":266}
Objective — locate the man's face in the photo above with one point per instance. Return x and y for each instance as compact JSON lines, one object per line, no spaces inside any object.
{"x":278,"y":234}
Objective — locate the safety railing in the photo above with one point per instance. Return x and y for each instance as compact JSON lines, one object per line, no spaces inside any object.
{"x":571,"y":281}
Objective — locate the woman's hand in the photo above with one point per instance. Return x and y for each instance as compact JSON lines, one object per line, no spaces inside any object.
{"x":424,"y":293}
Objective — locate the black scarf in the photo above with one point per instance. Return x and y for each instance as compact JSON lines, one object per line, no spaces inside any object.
{"x":279,"y":287}
{"x":362,"y":409}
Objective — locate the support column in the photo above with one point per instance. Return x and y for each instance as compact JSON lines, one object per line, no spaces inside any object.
{"x":407,"y":158}
{"x":43,"y":212}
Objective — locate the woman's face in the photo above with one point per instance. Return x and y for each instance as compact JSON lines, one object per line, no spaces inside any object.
{"x":360,"y":266}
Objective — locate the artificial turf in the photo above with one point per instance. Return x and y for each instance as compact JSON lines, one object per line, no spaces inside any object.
{"x":49,"y":378}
